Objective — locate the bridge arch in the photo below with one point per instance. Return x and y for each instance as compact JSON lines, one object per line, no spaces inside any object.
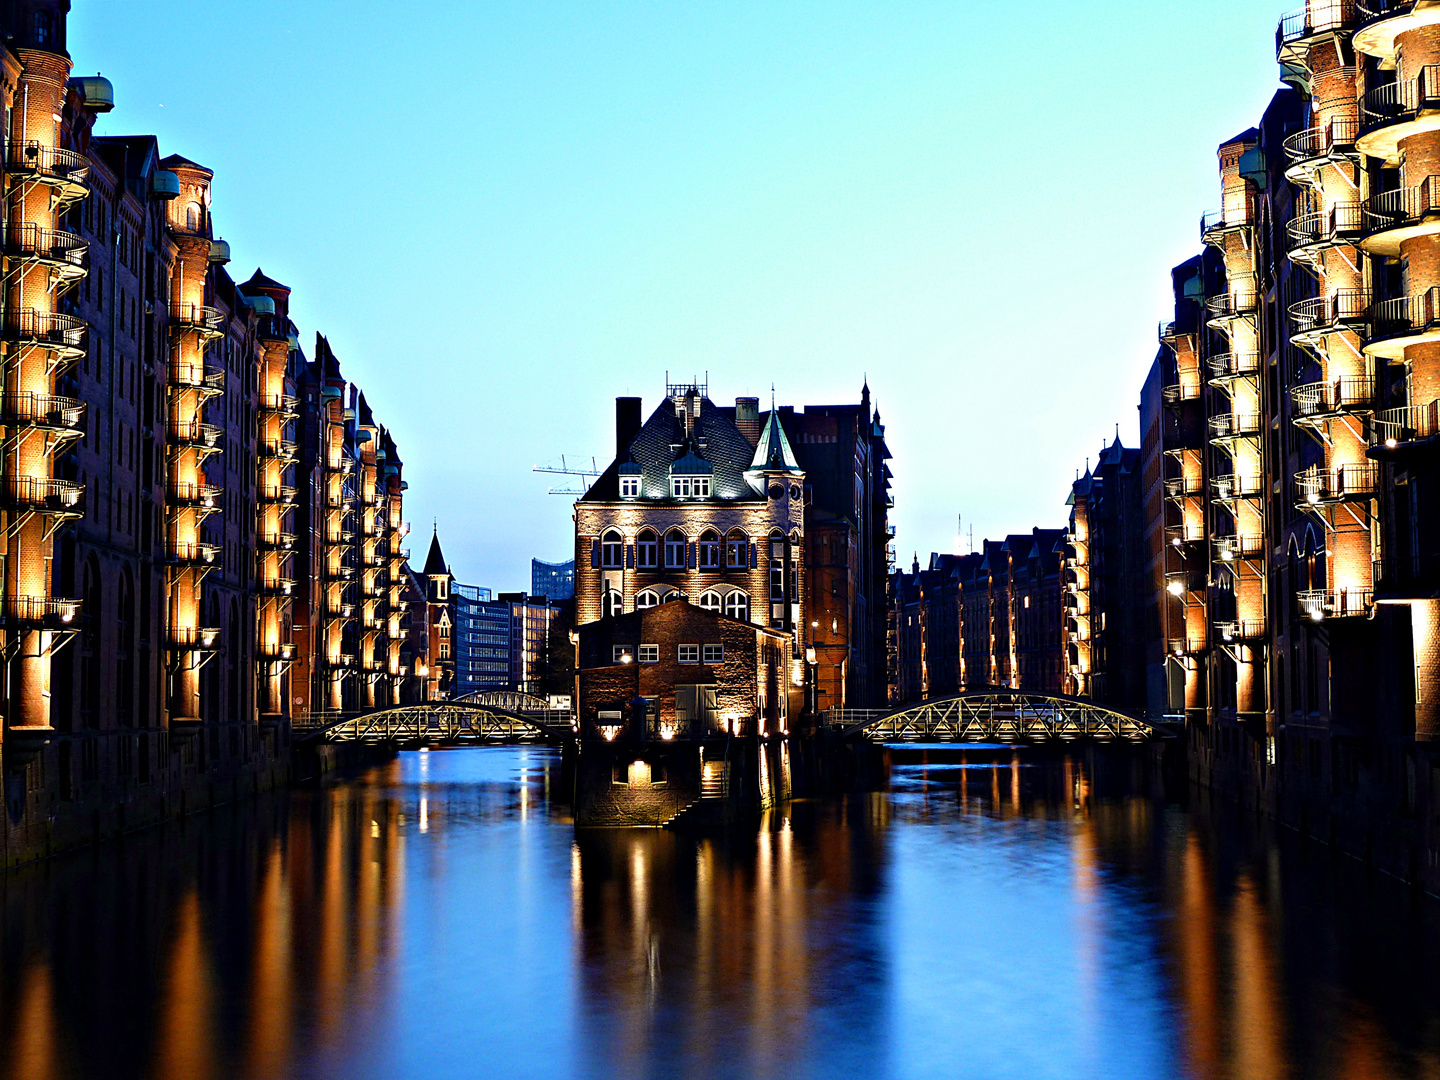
{"x":449,"y":723}
{"x":998,"y":715}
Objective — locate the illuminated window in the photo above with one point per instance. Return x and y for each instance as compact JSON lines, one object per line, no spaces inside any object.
{"x":647,"y":550}
{"x":675,"y":550}
{"x":612,"y":603}
{"x":710,"y":600}
{"x":646,"y":600}
{"x":619,"y":653}
{"x":709,"y":550}
{"x":612,"y":550}
{"x":737,"y":606}
{"x":714,"y":654}
{"x":649,"y":654}
{"x":689,"y":654}
{"x":737,"y":555}
{"x":630,"y":487}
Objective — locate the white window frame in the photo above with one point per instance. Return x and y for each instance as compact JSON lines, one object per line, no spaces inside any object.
{"x":649,"y":654}
{"x":630,"y":486}
{"x":646,"y":600}
{"x":711,"y":552}
{"x":713,"y":653}
{"x":611,"y":603}
{"x":618,"y":653}
{"x":711,"y":600}
{"x":737,"y":606}
{"x":647,"y":547}
{"x":607,"y":546}
{"x":679,"y":487}
{"x":687,"y":654}
{"x":682,"y":545}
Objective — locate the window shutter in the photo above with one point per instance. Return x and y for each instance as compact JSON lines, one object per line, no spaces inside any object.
{"x":595,"y":554}
{"x":692,"y":546}
{"x":629,"y":556}
{"x":754,"y":558}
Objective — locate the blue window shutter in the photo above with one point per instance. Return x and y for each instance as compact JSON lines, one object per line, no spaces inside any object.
{"x":754,"y":558}
{"x":691,"y":547}
{"x":629,"y":556}
{"x":595,"y":554}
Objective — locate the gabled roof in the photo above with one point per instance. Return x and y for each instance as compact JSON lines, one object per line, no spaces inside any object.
{"x":661,"y":442}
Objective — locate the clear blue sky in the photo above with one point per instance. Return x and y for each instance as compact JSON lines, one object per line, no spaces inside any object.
{"x":504,"y":215}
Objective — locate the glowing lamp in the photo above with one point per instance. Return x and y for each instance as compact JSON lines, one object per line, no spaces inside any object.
{"x":1175,"y":588}
{"x":1392,"y":443}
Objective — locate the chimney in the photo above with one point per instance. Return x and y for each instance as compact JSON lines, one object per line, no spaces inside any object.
{"x":627,"y":425}
{"x":747,"y":418}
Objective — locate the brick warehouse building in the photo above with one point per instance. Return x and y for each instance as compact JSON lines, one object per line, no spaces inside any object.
{"x":708,"y":507}
{"x":1287,"y":458}
{"x":154,"y":596}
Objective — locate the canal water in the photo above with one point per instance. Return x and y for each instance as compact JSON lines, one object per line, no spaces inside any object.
{"x":440,"y":917}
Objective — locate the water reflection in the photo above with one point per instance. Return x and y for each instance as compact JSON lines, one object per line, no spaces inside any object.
{"x":991,"y":915}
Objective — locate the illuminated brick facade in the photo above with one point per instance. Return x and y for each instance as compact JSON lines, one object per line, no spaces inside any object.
{"x":151,"y":588}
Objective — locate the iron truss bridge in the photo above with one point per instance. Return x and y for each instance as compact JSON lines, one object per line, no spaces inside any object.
{"x":1005,"y":716}
{"x":475,"y":720}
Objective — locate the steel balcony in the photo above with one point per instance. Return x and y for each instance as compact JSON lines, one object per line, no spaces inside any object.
{"x":202,"y":496}
{"x":63,"y":335}
{"x":1216,"y":225}
{"x":276,"y":541}
{"x":64,"y":170}
{"x":1231,"y":486}
{"x":193,"y":638}
{"x":1318,"y":604}
{"x":1230,"y":547}
{"x":43,"y":495}
{"x":188,"y":553}
{"x":1404,"y":321}
{"x":278,"y":587}
{"x":1317,"y":21}
{"x":1312,"y":234}
{"x":40,"y":611}
{"x":194,"y":435}
{"x":1227,"y":307}
{"x":1228,"y":427}
{"x":56,"y":249}
{"x":1320,"y":401}
{"x":1320,"y":316}
{"x":1183,"y":487}
{"x":60,"y":415}
{"x":1313,"y":148}
{"x":1242,"y":630}
{"x":1393,"y":217}
{"x":1179,"y":393}
{"x":206,"y":381}
{"x":1393,"y":428}
{"x":206,"y":321}
{"x":276,"y":650}
{"x":1397,"y":111}
{"x":278,"y":449}
{"x":277,"y":494}
{"x":283,"y":405}
{"x":1343,"y":483}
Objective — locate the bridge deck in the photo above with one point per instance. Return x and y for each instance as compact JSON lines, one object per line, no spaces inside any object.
{"x":994,"y":716}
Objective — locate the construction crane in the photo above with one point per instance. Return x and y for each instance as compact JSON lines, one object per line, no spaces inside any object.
{"x":586,"y":469}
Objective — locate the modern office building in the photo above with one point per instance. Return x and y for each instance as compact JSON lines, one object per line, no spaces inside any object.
{"x":555,"y":581}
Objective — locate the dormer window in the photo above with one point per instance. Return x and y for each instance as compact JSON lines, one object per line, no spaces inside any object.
{"x":629,"y":487}
{"x":690,"y":487}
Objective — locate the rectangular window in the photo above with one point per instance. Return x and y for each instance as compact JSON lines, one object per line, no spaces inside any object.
{"x":714,"y":654}
{"x":689,"y":654}
{"x":649,"y":654}
{"x":618,"y":653}
{"x":735,"y":554}
{"x":700,"y":487}
{"x":680,"y":487}
{"x":629,"y":487}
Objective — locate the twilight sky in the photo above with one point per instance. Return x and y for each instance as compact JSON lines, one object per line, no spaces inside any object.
{"x":503,"y":215}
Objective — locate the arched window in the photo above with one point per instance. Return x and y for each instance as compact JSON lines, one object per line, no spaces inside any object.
{"x":709,"y":550}
{"x":647,"y":599}
{"x":612,"y":550}
{"x":194,"y":215}
{"x":737,"y":553}
{"x":612,"y":603}
{"x":710,"y":600}
{"x":675,"y":550}
{"x":647,"y":550}
{"x":737,"y":606}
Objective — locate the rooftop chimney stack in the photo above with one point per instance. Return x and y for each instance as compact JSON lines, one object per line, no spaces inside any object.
{"x":627,"y":425}
{"x":747,"y":418}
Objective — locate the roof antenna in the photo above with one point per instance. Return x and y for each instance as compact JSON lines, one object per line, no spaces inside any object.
{"x":772,"y":397}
